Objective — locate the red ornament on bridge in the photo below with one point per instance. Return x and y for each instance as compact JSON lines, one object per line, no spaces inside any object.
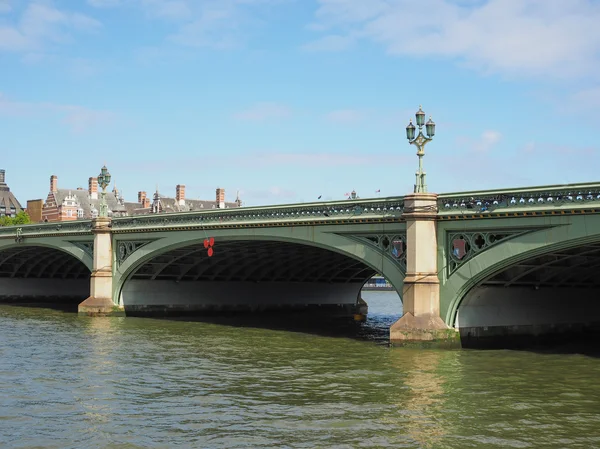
{"x":208,"y":244}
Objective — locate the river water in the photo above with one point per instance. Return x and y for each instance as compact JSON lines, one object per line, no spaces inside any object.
{"x":71,"y":382}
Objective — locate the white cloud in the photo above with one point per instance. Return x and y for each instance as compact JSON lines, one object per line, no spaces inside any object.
{"x":484,"y":143}
{"x":264,"y":111}
{"x":41,"y":24}
{"x":553,"y":38}
{"x":105,"y":3}
{"x":318,"y":160}
{"x":201,"y":23}
{"x":77,"y":118}
{"x":332,"y":42}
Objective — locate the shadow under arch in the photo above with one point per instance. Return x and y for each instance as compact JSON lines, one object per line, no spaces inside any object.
{"x":531,"y":291}
{"x":475,"y":272}
{"x":69,"y":248}
{"x":301,"y":260}
{"x":43,"y":272}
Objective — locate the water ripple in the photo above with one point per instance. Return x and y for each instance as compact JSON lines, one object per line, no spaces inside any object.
{"x":70,"y":382}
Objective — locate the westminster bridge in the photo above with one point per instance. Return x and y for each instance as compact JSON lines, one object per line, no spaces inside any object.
{"x":489,"y":263}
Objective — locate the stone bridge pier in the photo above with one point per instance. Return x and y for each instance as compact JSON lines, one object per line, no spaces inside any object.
{"x":100,"y":302}
{"x":421,"y":321}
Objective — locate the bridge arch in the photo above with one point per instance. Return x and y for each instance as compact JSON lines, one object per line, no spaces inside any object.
{"x":558,"y":244}
{"x":309,"y":249}
{"x":44,"y":269}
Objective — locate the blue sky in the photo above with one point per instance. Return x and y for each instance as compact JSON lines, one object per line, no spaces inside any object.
{"x":286,"y":100}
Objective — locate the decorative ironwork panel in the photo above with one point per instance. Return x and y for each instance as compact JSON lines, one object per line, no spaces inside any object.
{"x":463,"y":246}
{"x":392,"y":245}
{"x":88,"y":247}
{"x":127,"y":248}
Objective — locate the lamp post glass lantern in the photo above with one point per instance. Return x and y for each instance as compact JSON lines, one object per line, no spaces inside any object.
{"x":103,"y":181}
{"x":420,"y":141}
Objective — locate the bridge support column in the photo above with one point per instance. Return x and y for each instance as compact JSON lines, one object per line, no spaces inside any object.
{"x":100,"y":301}
{"x":421,"y":322}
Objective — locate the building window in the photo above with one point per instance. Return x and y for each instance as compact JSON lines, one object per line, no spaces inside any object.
{"x":79,"y":213}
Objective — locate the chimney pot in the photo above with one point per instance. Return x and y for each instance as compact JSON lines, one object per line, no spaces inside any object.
{"x":93,"y":188}
{"x":180,"y":194}
{"x":220,"y":198}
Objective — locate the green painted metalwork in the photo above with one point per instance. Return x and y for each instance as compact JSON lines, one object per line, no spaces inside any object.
{"x":88,"y":247}
{"x":420,"y":141}
{"x":51,"y":229}
{"x":462,"y":246}
{"x":343,"y":239}
{"x":77,"y":249}
{"x":392,"y":246}
{"x":526,"y":222}
{"x":293,"y":214}
{"x":126,"y":248}
{"x":542,"y":235}
{"x":543,"y":198}
{"x":103,"y":182}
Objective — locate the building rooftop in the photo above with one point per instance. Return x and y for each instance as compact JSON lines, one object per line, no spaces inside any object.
{"x":90,"y":205}
{"x":9,"y":205}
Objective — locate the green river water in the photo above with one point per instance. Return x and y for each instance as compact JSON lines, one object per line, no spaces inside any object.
{"x":71,"y":382}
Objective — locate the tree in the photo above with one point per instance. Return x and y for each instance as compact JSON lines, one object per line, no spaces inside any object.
{"x":20,"y":219}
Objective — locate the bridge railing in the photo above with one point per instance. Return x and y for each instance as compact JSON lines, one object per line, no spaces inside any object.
{"x":551,"y":197}
{"x":64,"y":227}
{"x":571,"y":196}
{"x":322,"y":212}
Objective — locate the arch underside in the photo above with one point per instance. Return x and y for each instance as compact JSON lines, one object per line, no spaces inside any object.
{"x":557,"y":293}
{"x":244,"y":274}
{"x":568,"y":268}
{"x":37,"y":272}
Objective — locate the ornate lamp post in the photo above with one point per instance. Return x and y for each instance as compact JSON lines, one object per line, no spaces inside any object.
{"x":420,"y":141}
{"x":103,"y":181}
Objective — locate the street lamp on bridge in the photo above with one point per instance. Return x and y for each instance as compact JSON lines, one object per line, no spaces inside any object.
{"x":103,"y":181}
{"x":420,"y":141}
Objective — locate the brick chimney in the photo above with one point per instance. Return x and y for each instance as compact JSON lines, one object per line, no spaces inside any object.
{"x":53,"y":183}
{"x":143,"y":200}
{"x":2,"y":176}
{"x":220,"y":198}
{"x":180,"y":194}
{"x":93,"y":188}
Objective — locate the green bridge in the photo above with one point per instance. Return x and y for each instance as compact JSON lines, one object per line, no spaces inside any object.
{"x":488,"y":264}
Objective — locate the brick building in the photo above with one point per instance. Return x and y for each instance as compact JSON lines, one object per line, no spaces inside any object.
{"x":73,"y":204}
